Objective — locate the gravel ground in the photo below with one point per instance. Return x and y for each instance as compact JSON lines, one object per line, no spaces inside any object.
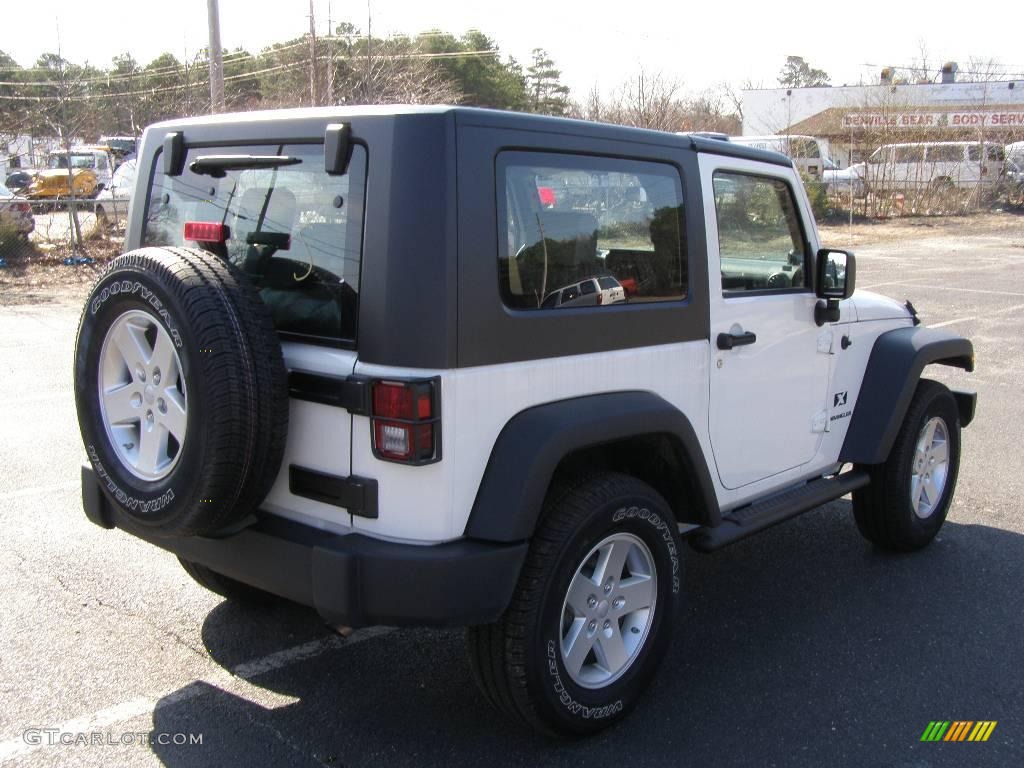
{"x":802,"y":646}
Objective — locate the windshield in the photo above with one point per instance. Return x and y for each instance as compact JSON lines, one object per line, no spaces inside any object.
{"x":78,"y":160}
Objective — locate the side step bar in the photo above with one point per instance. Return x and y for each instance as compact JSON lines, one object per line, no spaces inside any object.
{"x":752,"y":518}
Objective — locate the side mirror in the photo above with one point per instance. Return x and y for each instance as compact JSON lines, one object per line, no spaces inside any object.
{"x":834,"y":274}
{"x":834,"y":277}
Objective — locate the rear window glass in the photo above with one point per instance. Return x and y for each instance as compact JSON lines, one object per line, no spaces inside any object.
{"x":294,"y":230}
{"x":567,"y":219}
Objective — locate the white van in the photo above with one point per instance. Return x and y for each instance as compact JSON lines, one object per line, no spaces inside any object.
{"x":810,"y":155}
{"x":935,"y":165}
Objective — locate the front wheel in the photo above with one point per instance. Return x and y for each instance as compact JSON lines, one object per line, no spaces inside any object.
{"x":908,"y":498}
{"x":593,"y":612}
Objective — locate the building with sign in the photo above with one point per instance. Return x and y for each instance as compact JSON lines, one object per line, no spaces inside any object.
{"x":856,"y":120}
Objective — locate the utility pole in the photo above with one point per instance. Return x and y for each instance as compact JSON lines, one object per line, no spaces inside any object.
{"x":369,"y":38}
{"x":312,"y":56}
{"x":330,"y":57}
{"x":215,"y":57}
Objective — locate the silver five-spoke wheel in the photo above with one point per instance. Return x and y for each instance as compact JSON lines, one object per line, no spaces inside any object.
{"x":931,"y":467}
{"x":608,"y":610}
{"x":142,"y":396}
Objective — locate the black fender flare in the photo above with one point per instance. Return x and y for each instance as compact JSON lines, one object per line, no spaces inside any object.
{"x":894,"y":368}
{"x":532,"y":444}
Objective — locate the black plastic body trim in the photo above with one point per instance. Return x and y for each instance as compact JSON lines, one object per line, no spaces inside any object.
{"x":349,"y":392}
{"x":746,"y":521}
{"x":358,"y":495}
{"x":894,"y":368}
{"x":534,"y":442}
{"x":350,"y":580}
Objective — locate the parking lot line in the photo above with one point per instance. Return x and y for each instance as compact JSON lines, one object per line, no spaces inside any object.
{"x":9,"y":401}
{"x":236,"y":680}
{"x":952,"y":322}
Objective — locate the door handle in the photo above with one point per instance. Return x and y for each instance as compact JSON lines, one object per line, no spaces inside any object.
{"x":730,"y":340}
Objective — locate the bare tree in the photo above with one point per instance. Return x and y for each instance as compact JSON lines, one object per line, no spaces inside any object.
{"x":65,"y":107}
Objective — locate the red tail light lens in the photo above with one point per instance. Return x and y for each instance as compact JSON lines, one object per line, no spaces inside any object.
{"x":206,"y":232}
{"x":404,"y":416}
{"x":22,"y":207}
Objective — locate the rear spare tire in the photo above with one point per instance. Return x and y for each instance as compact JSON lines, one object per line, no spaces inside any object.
{"x":181,"y":390}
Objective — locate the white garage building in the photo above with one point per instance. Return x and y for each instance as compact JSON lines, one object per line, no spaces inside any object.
{"x":857,"y":119}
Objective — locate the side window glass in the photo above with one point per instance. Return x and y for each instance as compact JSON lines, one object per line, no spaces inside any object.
{"x":760,"y":240}
{"x":910,"y":154}
{"x":568,"y":221}
{"x":946,"y":153}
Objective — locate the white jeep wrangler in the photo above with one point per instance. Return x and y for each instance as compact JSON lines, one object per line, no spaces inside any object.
{"x":326,"y":370}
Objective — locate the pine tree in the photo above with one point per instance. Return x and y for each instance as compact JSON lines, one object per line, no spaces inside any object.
{"x":547,"y":95}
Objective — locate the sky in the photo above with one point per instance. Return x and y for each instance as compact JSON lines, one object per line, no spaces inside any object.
{"x":598,"y":43}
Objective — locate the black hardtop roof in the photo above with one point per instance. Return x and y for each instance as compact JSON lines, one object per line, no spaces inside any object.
{"x":484,"y":117}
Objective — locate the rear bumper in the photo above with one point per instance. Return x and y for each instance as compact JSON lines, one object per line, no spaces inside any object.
{"x":350,"y":580}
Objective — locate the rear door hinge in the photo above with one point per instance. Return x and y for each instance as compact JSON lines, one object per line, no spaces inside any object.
{"x":349,"y":392}
{"x":357,"y":495}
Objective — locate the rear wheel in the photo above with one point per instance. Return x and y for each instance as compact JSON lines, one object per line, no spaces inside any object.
{"x":908,"y":498}
{"x":593,"y":611}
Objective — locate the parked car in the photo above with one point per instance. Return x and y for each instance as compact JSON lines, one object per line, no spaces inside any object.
{"x":16,"y":212}
{"x":1013,"y":181}
{"x":843,"y":181}
{"x":19,"y":181}
{"x":91,"y":171}
{"x":809,"y":154}
{"x":937,"y":166}
{"x":1015,"y":152}
{"x":592,"y":292}
{"x":112,"y":203}
{"x":122,"y":148}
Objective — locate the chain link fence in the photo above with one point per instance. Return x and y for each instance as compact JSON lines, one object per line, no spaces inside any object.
{"x":47,"y":247}
{"x":914,"y":198}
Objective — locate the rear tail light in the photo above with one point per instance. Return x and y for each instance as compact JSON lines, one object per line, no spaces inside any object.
{"x":206,"y":232}
{"x":21,"y":207}
{"x":405,"y":418}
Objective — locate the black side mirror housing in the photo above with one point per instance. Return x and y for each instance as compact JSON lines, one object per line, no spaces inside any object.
{"x":835,"y":276}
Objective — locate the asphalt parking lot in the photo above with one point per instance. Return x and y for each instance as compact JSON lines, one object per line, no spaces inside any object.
{"x":801,"y":646}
